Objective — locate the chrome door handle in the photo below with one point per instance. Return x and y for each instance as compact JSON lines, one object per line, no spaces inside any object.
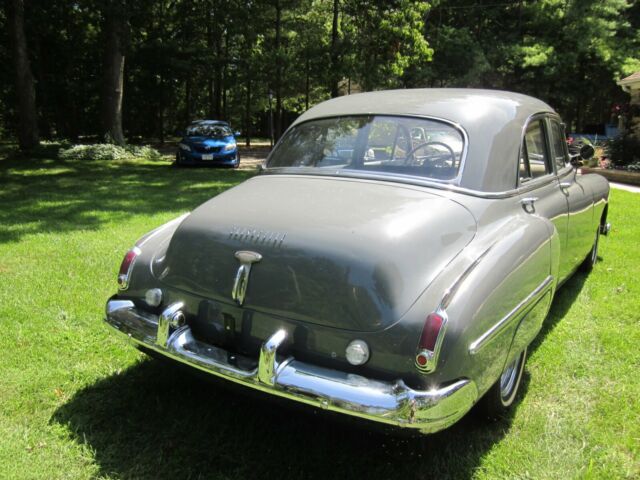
{"x":528,"y":203}
{"x":565,"y":185}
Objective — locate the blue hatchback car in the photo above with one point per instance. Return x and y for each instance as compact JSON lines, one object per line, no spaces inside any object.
{"x":208,"y":142}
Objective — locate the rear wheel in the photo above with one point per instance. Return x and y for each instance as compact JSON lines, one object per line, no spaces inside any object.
{"x":592,"y":258}
{"x":503,"y":393}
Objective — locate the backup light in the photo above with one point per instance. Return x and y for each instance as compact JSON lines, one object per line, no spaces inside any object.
{"x":126,"y":266}
{"x":357,"y":352}
{"x":153,"y":297}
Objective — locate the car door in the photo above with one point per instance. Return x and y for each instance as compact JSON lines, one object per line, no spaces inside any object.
{"x":578,"y":236}
{"x":537,"y":180}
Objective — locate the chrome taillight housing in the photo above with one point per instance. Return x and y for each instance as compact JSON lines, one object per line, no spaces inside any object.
{"x":126,"y":266}
{"x":430,"y":342}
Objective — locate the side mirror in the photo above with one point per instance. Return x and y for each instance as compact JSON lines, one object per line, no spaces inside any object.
{"x":236,"y":134}
{"x":577,"y":156}
{"x":587,"y":152}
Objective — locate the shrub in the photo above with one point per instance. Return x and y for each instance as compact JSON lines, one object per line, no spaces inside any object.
{"x":96,"y":151}
{"x":634,"y":167}
{"x":623,"y":151}
{"x":108,"y":151}
{"x":144,"y":151}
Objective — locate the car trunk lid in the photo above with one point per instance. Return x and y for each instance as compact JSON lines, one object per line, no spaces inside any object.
{"x":348,"y":254}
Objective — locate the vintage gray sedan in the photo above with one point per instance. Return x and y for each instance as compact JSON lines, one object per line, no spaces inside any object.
{"x":393,"y":260}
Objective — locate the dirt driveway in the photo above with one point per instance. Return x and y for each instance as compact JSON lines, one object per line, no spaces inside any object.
{"x":250,"y":158}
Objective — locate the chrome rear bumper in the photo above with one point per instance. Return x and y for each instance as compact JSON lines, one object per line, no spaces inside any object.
{"x":390,"y":403}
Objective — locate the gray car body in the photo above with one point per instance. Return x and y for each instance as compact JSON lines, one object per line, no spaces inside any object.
{"x":335,"y":268}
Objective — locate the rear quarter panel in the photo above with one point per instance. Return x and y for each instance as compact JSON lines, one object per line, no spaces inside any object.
{"x":598,"y":187}
{"x":513,"y":254}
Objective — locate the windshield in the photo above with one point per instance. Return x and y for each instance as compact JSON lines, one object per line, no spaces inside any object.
{"x":398,"y":145}
{"x":215,"y":130}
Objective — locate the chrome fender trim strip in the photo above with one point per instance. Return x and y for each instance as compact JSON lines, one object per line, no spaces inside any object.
{"x":531,"y":299}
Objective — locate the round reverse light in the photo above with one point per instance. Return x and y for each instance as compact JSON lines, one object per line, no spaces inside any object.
{"x":357,"y":352}
{"x":153,"y":297}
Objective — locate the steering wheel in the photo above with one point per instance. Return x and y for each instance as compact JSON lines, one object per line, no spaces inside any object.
{"x":429,"y":144}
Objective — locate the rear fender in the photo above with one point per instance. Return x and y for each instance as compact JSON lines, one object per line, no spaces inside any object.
{"x":506,"y":288}
{"x":151,"y":245}
{"x":599,"y":188}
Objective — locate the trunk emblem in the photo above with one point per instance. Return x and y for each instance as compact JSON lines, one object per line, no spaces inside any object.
{"x":246,"y":259}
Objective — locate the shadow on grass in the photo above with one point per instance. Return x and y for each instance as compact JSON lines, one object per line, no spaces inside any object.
{"x":155,"y":420}
{"x":44,"y":195}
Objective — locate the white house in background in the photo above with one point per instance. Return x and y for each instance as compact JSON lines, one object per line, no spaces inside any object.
{"x":631,"y":85}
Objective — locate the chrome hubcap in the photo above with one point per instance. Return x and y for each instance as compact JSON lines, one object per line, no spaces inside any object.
{"x":509,"y":377}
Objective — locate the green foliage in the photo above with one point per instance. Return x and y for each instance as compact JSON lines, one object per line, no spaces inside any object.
{"x":624,"y":151}
{"x":567,"y":52}
{"x":108,"y":151}
{"x":382,"y":40}
{"x":191,"y":59}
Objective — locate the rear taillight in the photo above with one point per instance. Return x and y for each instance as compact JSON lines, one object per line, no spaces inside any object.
{"x":430,"y":341}
{"x":126,"y":266}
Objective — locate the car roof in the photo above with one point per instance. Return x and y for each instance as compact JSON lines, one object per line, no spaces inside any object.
{"x":492,"y":119}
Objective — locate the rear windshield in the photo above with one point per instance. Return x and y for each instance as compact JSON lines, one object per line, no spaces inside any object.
{"x":395,"y":145}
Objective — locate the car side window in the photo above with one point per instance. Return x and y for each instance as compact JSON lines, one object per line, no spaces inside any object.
{"x":560,"y":152}
{"x":534,"y":158}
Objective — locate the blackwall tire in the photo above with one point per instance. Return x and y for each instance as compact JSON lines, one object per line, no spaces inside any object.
{"x":503,"y":393}
{"x":592,"y":258}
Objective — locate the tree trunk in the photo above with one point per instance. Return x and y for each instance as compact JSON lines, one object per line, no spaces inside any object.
{"x":115,"y":30}
{"x":248,"y":58}
{"x":217,"y":83}
{"x":25,"y":92}
{"x":247,"y":109}
{"x":224,"y":75}
{"x":278,"y":79}
{"x":45,"y":119}
{"x":334,"y":71}
{"x":161,"y":108}
{"x":210,"y":93}
{"x":306,"y":82}
{"x":211,"y":108}
{"x":187,"y":100}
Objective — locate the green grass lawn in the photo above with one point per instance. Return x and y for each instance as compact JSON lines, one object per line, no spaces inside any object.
{"x":77,"y":402}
